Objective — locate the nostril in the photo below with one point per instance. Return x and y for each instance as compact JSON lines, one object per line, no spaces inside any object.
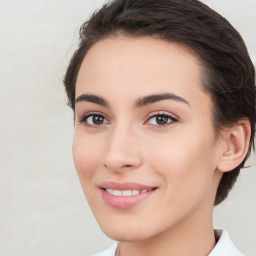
{"x":121,"y":167}
{"x":121,"y":162}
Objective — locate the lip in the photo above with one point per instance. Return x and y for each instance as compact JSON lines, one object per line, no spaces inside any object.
{"x":124,"y":185}
{"x":125,"y":202}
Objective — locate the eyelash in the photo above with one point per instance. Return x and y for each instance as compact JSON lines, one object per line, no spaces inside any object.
{"x":84,"y":119}
{"x":171,"y":119}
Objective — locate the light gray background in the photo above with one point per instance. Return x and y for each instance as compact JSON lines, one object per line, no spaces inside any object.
{"x":42,"y":206}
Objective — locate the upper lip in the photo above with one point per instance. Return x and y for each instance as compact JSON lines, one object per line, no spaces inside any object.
{"x":124,"y":185}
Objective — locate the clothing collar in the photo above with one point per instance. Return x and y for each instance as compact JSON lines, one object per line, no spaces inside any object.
{"x":223,"y":247}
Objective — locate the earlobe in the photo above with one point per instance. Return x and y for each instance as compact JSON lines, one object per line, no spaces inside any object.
{"x":236,"y":140}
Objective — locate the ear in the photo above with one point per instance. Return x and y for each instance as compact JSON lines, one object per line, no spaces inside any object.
{"x":235,"y":146}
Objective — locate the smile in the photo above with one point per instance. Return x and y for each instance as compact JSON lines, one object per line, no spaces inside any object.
{"x":126,"y":192}
{"x":125,"y":195}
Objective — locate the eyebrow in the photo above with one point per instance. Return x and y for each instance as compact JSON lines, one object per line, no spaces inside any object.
{"x":159,"y":97}
{"x":92,"y":98}
{"x":141,"y":102}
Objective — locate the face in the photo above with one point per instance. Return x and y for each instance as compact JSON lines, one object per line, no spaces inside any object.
{"x":144,"y":144}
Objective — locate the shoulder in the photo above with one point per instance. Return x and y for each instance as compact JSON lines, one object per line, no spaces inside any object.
{"x":224,"y":246}
{"x":109,"y":252}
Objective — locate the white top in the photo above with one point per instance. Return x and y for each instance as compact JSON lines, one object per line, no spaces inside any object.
{"x":224,"y":247}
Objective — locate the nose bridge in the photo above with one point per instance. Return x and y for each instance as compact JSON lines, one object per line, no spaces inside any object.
{"x":122,"y":147}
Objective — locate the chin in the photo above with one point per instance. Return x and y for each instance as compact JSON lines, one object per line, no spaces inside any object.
{"x":126,"y":232}
{"x":124,"y":236}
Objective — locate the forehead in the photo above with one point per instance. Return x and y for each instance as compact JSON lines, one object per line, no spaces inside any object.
{"x":132,"y":67}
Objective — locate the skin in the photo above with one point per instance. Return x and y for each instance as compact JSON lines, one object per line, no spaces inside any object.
{"x":180,"y":158}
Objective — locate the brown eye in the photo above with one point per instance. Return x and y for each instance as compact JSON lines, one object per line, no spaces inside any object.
{"x":161,"y":120}
{"x":97,"y":119}
{"x":93,"y":120}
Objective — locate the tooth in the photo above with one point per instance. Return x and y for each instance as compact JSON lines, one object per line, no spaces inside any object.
{"x":135,"y":192}
{"x":114,"y":192}
{"x":117,"y":192}
{"x":127,"y":193}
{"x":110,"y":191}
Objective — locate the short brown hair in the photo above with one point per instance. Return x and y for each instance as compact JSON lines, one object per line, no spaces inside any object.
{"x":229,"y":72}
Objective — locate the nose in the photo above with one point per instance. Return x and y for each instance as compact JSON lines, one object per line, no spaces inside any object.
{"x":122,"y":151}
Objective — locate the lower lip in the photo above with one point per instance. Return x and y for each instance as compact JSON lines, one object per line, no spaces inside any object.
{"x":124,"y":202}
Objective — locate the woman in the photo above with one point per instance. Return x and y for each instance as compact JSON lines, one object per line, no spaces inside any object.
{"x":163,"y":94}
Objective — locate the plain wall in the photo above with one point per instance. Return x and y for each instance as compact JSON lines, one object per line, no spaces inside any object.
{"x":42,"y":207}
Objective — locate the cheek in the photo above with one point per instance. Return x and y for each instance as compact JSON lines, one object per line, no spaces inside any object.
{"x":186,"y":165}
{"x":86,"y":157}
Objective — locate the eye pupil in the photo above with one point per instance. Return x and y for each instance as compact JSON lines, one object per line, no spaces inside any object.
{"x":161,"y":120}
{"x":98,"y":119}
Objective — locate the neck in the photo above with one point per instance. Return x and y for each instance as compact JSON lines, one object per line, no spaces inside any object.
{"x":193,"y":236}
